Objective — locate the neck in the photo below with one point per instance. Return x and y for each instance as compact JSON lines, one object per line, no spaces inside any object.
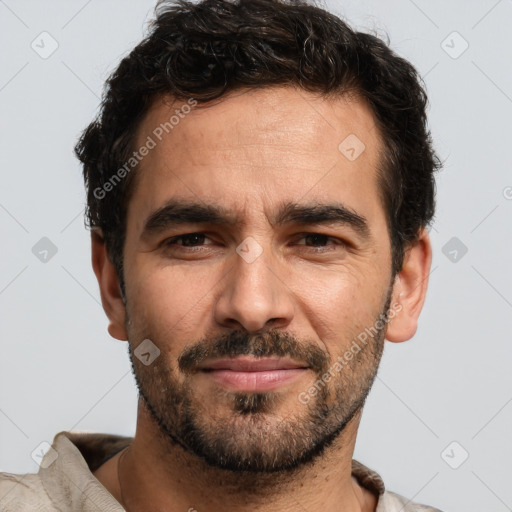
{"x":177,"y":480}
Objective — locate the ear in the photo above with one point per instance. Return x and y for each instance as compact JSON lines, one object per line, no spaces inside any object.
{"x":110,"y":289}
{"x":410,"y":289}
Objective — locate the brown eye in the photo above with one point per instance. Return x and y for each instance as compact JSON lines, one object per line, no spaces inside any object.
{"x":316,"y":239}
{"x":187,"y":240}
{"x":192,"y":239}
{"x":319,"y":240}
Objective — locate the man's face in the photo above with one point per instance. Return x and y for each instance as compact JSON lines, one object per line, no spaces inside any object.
{"x":286,"y":260}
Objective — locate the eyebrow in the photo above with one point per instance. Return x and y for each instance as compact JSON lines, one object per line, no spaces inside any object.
{"x":335,"y":214}
{"x":178,"y":212}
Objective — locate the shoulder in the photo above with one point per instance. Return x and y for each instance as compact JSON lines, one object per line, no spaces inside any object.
{"x":23,"y":493}
{"x":392,"y":502}
{"x":65,"y":480}
{"x":387,"y":501}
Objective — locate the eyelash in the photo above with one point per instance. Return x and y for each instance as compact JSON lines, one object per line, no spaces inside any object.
{"x":171,"y":241}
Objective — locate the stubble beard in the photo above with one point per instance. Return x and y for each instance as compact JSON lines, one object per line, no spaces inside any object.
{"x":250,"y":436}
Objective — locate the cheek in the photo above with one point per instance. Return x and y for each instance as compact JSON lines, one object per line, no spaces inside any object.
{"x":339,"y":306}
{"x":171,"y":302}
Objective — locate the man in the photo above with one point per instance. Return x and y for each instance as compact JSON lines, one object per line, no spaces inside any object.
{"x":260,"y":180}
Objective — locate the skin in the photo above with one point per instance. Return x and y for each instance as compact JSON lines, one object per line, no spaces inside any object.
{"x":249,"y":153}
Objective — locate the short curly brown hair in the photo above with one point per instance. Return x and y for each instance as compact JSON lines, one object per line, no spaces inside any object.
{"x":204,"y":50}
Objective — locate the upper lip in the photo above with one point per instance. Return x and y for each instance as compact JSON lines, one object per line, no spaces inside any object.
{"x":252,"y":364}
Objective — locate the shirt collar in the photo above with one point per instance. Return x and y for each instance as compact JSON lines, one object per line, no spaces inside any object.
{"x":66,"y":471}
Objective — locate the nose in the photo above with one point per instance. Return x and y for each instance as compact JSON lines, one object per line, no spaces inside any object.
{"x":253,"y":296}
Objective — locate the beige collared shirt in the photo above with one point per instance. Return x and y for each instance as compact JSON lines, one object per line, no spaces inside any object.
{"x":65,"y":481}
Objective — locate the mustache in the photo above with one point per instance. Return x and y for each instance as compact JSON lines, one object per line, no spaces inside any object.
{"x":237,"y":343}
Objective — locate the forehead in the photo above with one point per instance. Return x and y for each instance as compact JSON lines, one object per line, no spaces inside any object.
{"x":258,"y":148}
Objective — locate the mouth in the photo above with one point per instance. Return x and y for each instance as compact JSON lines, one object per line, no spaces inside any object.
{"x":253,"y":374}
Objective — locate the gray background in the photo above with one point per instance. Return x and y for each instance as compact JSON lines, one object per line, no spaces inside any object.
{"x":59,"y":369}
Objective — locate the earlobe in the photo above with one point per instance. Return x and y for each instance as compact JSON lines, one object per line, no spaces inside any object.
{"x":410,"y":289}
{"x":111,"y":297}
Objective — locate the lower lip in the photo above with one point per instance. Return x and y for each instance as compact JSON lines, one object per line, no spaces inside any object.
{"x":255,"y":381}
